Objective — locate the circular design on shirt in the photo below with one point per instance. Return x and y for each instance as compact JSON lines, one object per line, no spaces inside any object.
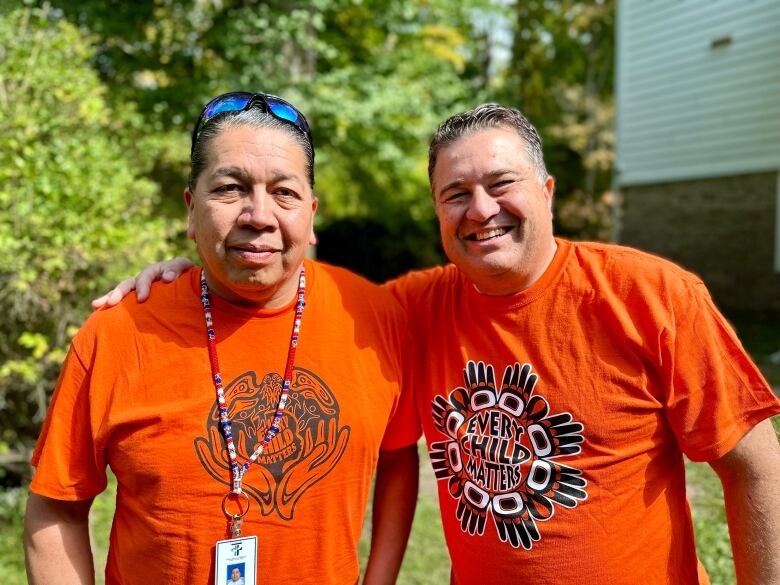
{"x":501,"y":453}
{"x":309,"y":444}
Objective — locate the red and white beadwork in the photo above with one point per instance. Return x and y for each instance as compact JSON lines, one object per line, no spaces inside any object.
{"x":238,"y":471}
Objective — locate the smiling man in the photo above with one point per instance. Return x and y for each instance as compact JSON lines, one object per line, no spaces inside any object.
{"x":560,"y":384}
{"x":494,"y":209}
{"x":243,"y":409}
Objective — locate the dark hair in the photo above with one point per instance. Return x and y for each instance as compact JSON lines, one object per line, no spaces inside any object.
{"x":482,"y":118}
{"x":254,"y":118}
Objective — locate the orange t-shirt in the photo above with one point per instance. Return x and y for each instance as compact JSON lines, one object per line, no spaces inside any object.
{"x":556,"y":418}
{"x":136,"y":394}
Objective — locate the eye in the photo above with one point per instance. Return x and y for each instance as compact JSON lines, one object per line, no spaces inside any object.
{"x":501,"y":183}
{"x":286,"y":194}
{"x":455,"y":196}
{"x":229,"y":188}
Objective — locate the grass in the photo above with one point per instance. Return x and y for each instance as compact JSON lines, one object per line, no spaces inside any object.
{"x":426,"y":561}
{"x":12,"y":502}
{"x":709,"y":523}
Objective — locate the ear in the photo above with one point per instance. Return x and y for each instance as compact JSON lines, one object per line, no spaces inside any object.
{"x":549,"y":190}
{"x":312,"y":236}
{"x":189,"y":200}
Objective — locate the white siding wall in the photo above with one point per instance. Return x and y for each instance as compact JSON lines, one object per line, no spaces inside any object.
{"x":687,"y":109}
{"x":777,"y":227}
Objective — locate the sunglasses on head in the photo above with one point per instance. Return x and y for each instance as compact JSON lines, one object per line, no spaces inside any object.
{"x":238,"y":101}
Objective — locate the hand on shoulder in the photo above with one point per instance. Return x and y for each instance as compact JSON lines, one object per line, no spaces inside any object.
{"x":167,"y":271}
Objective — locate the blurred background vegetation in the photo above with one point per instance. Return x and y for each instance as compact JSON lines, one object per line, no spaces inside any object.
{"x":97,"y":101}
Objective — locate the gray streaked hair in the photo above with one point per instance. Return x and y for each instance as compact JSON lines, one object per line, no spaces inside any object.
{"x":255,"y":118}
{"x":484,"y":117}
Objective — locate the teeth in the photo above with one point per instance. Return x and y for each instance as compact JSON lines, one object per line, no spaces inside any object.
{"x":489,"y":234}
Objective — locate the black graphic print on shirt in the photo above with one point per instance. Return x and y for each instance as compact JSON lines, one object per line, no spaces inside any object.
{"x":501,"y":455}
{"x":308,"y":446}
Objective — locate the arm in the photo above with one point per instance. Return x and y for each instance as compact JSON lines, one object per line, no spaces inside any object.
{"x":395,"y":497}
{"x":168,"y":270}
{"x":56,"y":542}
{"x":750,"y":474}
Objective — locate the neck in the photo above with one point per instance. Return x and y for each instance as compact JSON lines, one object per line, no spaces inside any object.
{"x":511,"y":283}
{"x":257,"y":297}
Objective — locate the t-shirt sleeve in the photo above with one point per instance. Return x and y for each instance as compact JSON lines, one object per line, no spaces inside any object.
{"x":68,"y":465}
{"x":408,"y":289}
{"x":716,"y":393}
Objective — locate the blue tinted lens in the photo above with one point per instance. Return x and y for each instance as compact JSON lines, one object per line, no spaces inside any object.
{"x":282,"y":110}
{"x":232,"y":103}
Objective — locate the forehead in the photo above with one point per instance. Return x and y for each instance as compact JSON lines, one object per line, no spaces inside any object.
{"x":247,"y":147}
{"x":481,"y":152}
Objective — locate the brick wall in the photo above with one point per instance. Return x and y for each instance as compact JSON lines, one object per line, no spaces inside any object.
{"x":722,"y":229}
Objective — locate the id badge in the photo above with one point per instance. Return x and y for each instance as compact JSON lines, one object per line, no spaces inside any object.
{"x":236,"y":561}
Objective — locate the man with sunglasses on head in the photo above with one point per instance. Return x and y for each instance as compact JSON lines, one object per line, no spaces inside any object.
{"x":559,"y":384}
{"x":246,"y":407}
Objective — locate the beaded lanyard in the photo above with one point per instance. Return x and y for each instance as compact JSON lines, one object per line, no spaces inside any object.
{"x":237,"y":471}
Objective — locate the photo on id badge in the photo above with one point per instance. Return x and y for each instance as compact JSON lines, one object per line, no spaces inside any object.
{"x":236,"y":561}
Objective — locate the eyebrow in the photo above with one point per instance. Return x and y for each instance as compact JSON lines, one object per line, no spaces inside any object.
{"x":489,"y":176}
{"x":235,"y":172}
{"x":243,"y":175}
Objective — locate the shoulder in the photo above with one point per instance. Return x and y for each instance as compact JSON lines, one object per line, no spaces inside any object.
{"x":419,"y":285}
{"x":330,"y":275}
{"x":129,"y":317}
{"x":337,"y":282}
{"x":344,"y":300}
{"x":628,"y":267}
{"x":625,"y":281}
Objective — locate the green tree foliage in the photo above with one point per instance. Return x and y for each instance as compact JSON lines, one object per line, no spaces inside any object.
{"x":374,"y":78}
{"x":561,"y":75}
{"x":74,"y":213}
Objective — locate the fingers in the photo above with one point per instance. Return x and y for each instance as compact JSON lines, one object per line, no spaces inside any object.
{"x":173,"y":268}
{"x":99,"y":302}
{"x":167,"y":271}
{"x":115,"y":295}
{"x":143,"y":282}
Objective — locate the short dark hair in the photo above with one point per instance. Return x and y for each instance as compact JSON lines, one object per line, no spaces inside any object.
{"x":254,"y":118}
{"x":484,"y":117}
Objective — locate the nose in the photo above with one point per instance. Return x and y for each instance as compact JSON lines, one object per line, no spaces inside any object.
{"x":258,"y":211}
{"x":482,"y":206}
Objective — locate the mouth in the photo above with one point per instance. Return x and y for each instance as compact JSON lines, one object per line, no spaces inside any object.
{"x":254,"y":248}
{"x":488,"y":234}
{"x":252,"y":254}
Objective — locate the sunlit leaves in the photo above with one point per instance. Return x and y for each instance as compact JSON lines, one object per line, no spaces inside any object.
{"x":74,"y":212}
